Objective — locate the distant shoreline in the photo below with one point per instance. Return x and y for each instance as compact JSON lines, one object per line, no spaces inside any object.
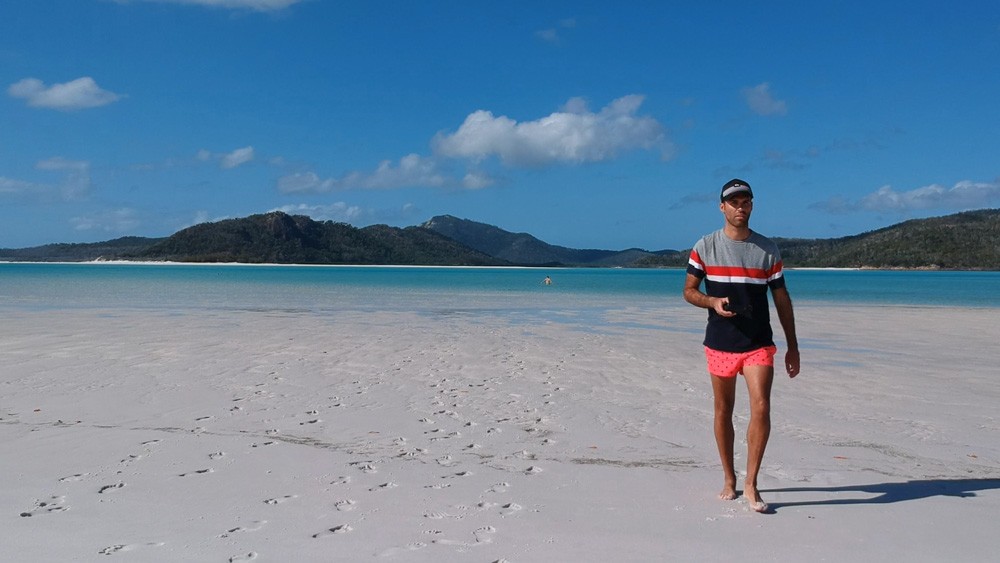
{"x":515,"y":267}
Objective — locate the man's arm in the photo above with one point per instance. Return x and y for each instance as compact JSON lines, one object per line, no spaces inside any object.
{"x":783,"y":303}
{"x":694,"y":296}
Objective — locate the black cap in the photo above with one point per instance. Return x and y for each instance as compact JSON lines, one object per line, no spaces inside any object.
{"x":733,"y":187}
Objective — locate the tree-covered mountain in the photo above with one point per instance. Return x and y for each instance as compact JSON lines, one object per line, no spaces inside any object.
{"x":279,"y":238}
{"x":965,"y":241}
{"x":79,"y":252}
{"x":522,"y":248}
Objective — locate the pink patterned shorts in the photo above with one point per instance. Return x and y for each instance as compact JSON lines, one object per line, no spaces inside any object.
{"x":728,"y":364}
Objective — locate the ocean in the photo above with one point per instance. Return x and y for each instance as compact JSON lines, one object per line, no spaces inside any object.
{"x":179,"y":287}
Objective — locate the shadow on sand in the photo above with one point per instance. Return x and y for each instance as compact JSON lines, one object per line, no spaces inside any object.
{"x":888,"y":493}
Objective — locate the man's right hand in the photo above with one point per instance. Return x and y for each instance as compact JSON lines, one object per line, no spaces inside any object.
{"x":719,"y":305}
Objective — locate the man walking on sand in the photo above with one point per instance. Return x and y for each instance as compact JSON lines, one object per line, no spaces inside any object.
{"x":738,"y":266}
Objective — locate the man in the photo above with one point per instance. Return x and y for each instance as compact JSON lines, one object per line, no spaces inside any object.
{"x":738,"y":266}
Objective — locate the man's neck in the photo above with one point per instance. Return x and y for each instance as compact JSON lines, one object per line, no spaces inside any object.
{"x":737,"y":233}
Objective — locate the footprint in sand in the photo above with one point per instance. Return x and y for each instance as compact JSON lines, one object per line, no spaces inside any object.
{"x":216,"y":455}
{"x":72,"y":478}
{"x":127,"y":547}
{"x":446,"y":461}
{"x":246,"y":557}
{"x":482,"y":536}
{"x":279,"y":500}
{"x":53,"y":504}
{"x":257,"y":525}
{"x":107,"y":488}
{"x":384,"y":487}
{"x":499,"y":488}
{"x":131,"y":458}
{"x":342,"y":529}
{"x":366,"y":467}
{"x":435,"y":515}
{"x":345,"y":505}
{"x":197,"y":472}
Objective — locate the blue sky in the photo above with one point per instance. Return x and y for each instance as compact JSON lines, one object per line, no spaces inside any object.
{"x":587,"y":124}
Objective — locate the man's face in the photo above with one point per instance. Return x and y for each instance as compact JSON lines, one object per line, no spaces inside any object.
{"x":737,"y":210}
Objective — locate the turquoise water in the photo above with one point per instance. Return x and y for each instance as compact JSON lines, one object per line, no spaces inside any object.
{"x":319,"y":288}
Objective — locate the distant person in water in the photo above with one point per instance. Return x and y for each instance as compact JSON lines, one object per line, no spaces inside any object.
{"x":547,"y":280}
{"x":738,"y":266}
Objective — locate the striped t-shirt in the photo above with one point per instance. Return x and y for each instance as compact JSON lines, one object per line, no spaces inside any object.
{"x":741,"y":270}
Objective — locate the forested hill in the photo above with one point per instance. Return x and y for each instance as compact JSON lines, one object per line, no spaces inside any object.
{"x":964,"y":241}
{"x":278,"y":238}
{"x":522,"y":248}
{"x":79,"y":252}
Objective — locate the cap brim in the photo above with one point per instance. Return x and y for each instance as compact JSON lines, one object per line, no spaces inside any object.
{"x":736,"y":190}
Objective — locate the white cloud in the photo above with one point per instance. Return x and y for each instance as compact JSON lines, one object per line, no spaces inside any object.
{"x":340,"y":212}
{"x":199,"y":218}
{"x":305,"y":182}
{"x":60,"y":163}
{"x":76,"y":183}
{"x":120,"y":220}
{"x":571,"y":136}
{"x":255,"y":5}
{"x":237,"y":157}
{"x":411,"y":170}
{"x":229,"y":160}
{"x":963,"y":195}
{"x":77,"y":94}
{"x":477,"y":180}
{"x":574,"y":135}
{"x":551,"y":35}
{"x":762,"y":102}
{"x":11,"y":186}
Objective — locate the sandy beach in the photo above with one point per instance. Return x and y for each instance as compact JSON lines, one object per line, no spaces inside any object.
{"x":447,"y":436}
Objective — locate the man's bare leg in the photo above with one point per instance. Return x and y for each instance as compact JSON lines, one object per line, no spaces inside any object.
{"x":759,"y":379}
{"x":724,"y":390}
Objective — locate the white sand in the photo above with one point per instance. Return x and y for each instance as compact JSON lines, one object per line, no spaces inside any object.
{"x":416,"y":437}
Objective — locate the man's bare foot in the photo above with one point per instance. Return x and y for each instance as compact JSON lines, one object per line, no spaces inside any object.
{"x":728,"y":493}
{"x":757,"y":504}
